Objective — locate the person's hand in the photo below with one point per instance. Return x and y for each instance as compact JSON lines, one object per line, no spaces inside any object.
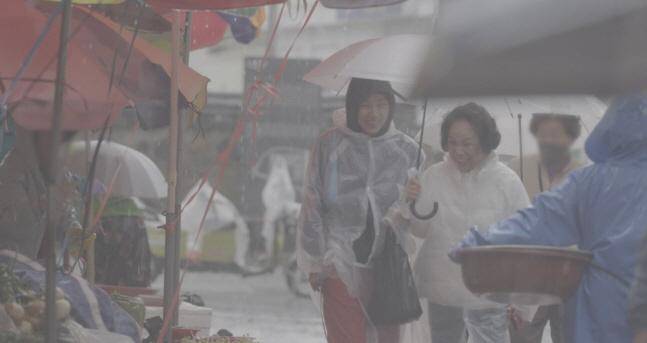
{"x":473,"y":238}
{"x":413,"y":189}
{"x":641,"y":336}
{"x":515,"y":319}
{"x":316,"y":281}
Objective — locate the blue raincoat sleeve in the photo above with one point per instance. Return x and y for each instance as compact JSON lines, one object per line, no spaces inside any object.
{"x":551,"y":220}
{"x":311,"y":241}
{"x":638,"y":298}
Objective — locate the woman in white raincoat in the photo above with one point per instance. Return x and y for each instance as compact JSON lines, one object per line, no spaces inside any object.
{"x":472,"y":188}
{"x":356,"y":175}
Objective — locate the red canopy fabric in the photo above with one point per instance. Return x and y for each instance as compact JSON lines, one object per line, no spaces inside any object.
{"x":142,"y":79}
{"x":210,"y":4}
{"x":86,"y":102}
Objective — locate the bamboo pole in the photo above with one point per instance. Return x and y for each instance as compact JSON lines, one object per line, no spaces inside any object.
{"x":90,"y":256}
{"x":172,"y":235}
{"x":51,"y":325}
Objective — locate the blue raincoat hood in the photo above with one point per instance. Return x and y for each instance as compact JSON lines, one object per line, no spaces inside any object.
{"x":621,"y":135}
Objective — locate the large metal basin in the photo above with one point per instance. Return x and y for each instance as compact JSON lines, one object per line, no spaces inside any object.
{"x":523,"y":275}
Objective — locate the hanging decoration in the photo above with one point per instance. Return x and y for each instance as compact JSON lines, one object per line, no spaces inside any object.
{"x":354,"y":4}
{"x":209,"y":4}
{"x":244,"y":24}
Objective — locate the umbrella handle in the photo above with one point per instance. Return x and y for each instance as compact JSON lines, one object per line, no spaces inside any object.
{"x":428,"y":216}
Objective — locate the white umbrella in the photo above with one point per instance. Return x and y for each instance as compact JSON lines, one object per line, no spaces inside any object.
{"x":396,"y":59}
{"x":134,"y":173}
{"x":508,"y":110}
{"x":222,"y":212}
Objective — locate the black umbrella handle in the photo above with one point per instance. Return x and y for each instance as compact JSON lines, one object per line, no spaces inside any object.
{"x":428,"y":216}
{"x":412,"y":206}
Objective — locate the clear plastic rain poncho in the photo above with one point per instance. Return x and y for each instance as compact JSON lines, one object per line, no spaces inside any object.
{"x":602,"y":209}
{"x":489,"y":193}
{"x":349,"y":170}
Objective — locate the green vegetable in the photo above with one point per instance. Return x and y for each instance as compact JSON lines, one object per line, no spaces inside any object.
{"x":10,"y":285}
{"x":10,"y":337}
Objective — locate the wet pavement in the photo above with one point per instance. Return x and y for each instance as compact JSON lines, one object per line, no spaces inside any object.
{"x":258,"y":306}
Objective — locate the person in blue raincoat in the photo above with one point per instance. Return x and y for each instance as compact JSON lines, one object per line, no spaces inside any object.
{"x":601,"y":208}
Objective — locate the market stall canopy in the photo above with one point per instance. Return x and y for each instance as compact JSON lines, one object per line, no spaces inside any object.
{"x":87,"y":103}
{"x":352,"y":4}
{"x":396,"y":59}
{"x":143,"y":71}
{"x":134,"y":173}
{"x":533,"y":47}
{"x":92,"y":2}
{"x":136,"y":13}
{"x":209,"y":4}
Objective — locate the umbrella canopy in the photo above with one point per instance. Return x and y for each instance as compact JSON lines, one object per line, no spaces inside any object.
{"x":134,"y":173}
{"x":100,"y":51}
{"x":396,"y":59}
{"x":536,"y":47}
{"x":92,"y":2}
{"x":136,"y":13}
{"x":86,"y":103}
{"x":221,"y":213}
{"x":506,"y":111}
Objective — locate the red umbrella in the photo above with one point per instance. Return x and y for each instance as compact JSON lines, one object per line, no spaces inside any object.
{"x":86,"y":104}
{"x":210,"y":4}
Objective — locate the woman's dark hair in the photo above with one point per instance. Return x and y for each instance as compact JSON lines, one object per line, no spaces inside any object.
{"x":361,"y":89}
{"x":481,"y":121}
{"x":571,"y":123}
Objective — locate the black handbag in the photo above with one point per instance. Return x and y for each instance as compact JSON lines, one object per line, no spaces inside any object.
{"x":394,"y":299}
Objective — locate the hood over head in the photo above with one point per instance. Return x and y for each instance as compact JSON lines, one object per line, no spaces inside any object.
{"x":621,"y":135}
{"x":361,"y":89}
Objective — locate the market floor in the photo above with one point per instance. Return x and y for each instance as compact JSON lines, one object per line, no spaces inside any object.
{"x":258,"y":306}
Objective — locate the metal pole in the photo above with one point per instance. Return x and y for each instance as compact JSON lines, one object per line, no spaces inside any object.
{"x":172,"y":253}
{"x":184,"y":51}
{"x":51,"y":172}
{"x":90,"y":274}
{"x":521,"y":148}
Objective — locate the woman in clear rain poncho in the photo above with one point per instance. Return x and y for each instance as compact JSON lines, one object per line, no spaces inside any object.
{"x":356,"y":174}
{"x":471,"y":188}
{"x":601,"y":208}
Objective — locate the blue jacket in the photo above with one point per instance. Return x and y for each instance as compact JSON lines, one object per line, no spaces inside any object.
{"x":602,"y":209}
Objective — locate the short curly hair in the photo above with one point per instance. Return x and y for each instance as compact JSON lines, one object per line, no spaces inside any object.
{"x":482,"y":123}
{"x":571,"y":123}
